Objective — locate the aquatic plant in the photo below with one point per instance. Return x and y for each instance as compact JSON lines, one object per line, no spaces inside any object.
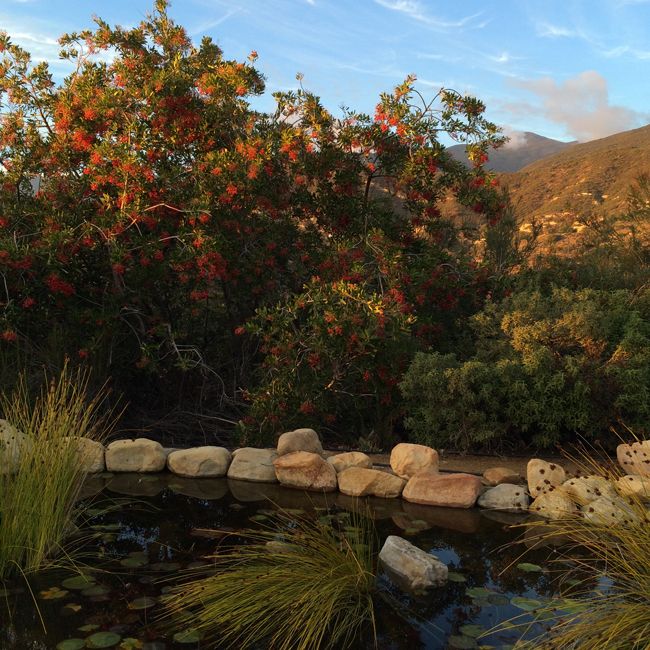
{"x":38,"y":493}
{"x":297,"y":583}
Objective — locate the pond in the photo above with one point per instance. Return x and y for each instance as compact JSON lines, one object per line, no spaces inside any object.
{"x":162,"y":524}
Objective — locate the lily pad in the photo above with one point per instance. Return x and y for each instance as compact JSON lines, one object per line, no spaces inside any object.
{"x":53,"y":593}
{"x":473,"y":631}
{"x":130,"y":644}
{"x":89,"y":627}
{"x":478,"y":592}
{"x":103,"y":640}
{"x":78,"y":582}
{"x":527,"y":604}
{"x":71,"y":644}
{"x":498,"y":599}
{"x":96,"y":590}
{"x":529,"y":567}
{"x":142,"y":603}
{"x":259,"y":518}
{"x":133,"y":562}
{"x":461,"y":642}
{"x":165,"y":567}
{"x":454,"y":576}
{"x":70,"y":609}
{"x":187,"y":636}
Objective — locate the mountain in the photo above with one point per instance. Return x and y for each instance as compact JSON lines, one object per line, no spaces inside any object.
{"x":523,"y":149}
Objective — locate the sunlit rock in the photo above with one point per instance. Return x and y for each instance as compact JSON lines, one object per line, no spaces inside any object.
{"x":139,"y":455}
{"x":542,"y":475}
{"x":305,"y":470}
{"x":361,"y":482}
{"x":407,"y":459}
{"x":211,"y":462}
{"x":512,"y":498}
{"x":449,"y":490}
{"x":350,"y":459}
{"x":250,"y":464}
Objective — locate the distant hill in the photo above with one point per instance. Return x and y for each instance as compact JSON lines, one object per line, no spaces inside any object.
{"x":522,"y":149}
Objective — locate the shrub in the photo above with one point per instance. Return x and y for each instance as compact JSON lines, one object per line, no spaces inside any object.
{"x":546,"y":368}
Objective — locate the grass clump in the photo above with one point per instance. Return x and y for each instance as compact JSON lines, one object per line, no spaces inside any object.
{"x":40,"y":472}
{"x":296,"y":584}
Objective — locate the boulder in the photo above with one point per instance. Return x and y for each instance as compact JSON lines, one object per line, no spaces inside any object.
{"x":139,"y":455}
{"x":350,"y":459}
{"x":541,"y":475}
{"x":305,"y":470}
{"x":90,"y":453}
{"x":449,"y":490}
{"x":362,"y":482}
{"x":12,"y":443}
{"x":250,"y":464}
{"x":606,"y":512}
{"x":553,"y":505}
{"x":299,"y":440}
{"x":635,"y":458}
{"x":585,"y":489}
{"x":505,"y":496}
{"x":634,"y":486}
{"x":407,"y":459}
{"x":498,"y":475}
{"x":409,"y":567}
{"x":207,"y":461}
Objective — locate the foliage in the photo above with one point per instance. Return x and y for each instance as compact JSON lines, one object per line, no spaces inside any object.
{"x":146,"y":211}
{"x":297,"y":584}
{"x":37,"y":499}
{"x":546,"y":367}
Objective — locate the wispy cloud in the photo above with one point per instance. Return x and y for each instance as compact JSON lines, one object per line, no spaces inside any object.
{"x":415,"y":11}
{"x":201,"y":28}
{"x":548,"y":30}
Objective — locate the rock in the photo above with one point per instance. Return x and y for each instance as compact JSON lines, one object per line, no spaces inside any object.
{"x":634,"y":486}
{"x":199,"y":462}
{"x":90,"y":454}
{"x":409,"y":567}
{"x":407,"y":459}
{"x":541,"y":475}
{"x":499,"y":475}
{"x":505,"y":496}
{"x":299,"y":440}
{"x":305,"y":470}
{"x":250,"y":464}
{"x":585,"y":489}
{"x":139,"y":455}
{"x":12,"y":444}
{"x":635,"y":458}
{"x":350,"y":459}
{"x":606,"y":512}
{"x":449,"y":490}
{"x":362,"y":482}
{"x":553,"y":505}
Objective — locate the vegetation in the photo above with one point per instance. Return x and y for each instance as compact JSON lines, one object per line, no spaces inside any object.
{"x":299,"y":583}
{"x":37,"y":499}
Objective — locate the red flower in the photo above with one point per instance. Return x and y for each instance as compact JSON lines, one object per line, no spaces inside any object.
{"x":28,"y":302}
{"x":56,"y":285}
{"x":9,"y":336}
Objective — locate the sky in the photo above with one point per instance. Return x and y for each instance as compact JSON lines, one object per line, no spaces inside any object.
{"x":565,"y":69}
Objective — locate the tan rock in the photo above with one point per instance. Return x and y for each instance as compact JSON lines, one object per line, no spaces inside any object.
{"x":449,"y":490}
{"x":607,"y":512}
{"x":350,"y":459}
{"x":635,"y":458}
{"x":199,"y":462}
{"x":585,"y":489}
{"x":90,"y":454}
{"x":250,"y":464}
{"x":12,"y":445}
{"x":362,"y":482}
{"x":541,"y":475}
{"x":634,"y":486}
{"x":407,"y":459}
{"x":139,"y":455}
{"x":299,"y":440}
{"x":498,"y":475}
{"x":553,"y":505}
{"x":305,"y":470}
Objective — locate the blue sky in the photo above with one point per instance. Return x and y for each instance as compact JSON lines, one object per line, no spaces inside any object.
{"x":565,"y":69}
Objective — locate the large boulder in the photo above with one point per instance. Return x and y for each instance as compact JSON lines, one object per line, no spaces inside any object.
{"x":498,"y":475}
{"x":12,"y":444}
{"x":407,"y":459}
{"x":585,"y":489}
{"x":635,"y":458}
{"x":139,"y":455}
{"x":250,"y":464}
{"x":350,"y":459}
{"x":90,"y":454}
{"x":634,"y":486}
{"x":542,"y":475}
{"x":555,"y":504}
{"x":305,"y":470}
{"x":411,"y":568}
{"x":299,"y":440}
{"x":206,"y":461}
{"x":362,"y":482}
{"x":505,"y":496}
{"x":449,"y":490}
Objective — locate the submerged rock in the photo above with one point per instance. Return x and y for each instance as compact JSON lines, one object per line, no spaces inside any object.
{"x":511,"y":498}
{"x":411,"y":568}
{"x":299,"y":440}
{"x":341,"y":462}
{"x":361,"y":482}
{"x":408,"y":459}
{"x":306,"y":470}
{"x":542,"y":475}
{"x":448,"y":490}
{"x":211,"y":462}
{"x":139,"y":455}
{"x":250,"y":464}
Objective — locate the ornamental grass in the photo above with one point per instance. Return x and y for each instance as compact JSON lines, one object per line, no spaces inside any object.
{"x":296,"y":584}
{"x":39,"y":490}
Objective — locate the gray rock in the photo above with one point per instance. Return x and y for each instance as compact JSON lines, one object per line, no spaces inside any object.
{"x":505,"y":496}
{"x":250,"y":464}
{"x":299,"y":440}
{"x":197,"y":462}
{"x":139,"y":455}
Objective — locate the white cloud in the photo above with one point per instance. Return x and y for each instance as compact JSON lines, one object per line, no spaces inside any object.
{"x":415,"y":11}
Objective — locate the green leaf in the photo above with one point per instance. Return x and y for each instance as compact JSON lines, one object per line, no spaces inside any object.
{"x":78,"y":582}
{"x":454,"y":576}
{"x":527,"y":604}
{"x":89,"y":627}
{"x":133,"y":562}
{"x":103,"y":640}
{"x":528,"y":567}
{"x":187,"y":636}
{"x":461,"y":642}
{"x":142,"y":603}
{"x":474,"y":631}
{"x":96,"y":590}
{"x":53,"y":593}
{"x":71,"y":644}
{"x":478,"y":592}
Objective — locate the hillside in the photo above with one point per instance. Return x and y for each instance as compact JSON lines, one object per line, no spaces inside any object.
{"x":522,"y":150}
{"x":589,"y":180}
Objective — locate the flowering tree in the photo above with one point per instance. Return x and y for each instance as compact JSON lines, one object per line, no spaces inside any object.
{"x":147,"y":212}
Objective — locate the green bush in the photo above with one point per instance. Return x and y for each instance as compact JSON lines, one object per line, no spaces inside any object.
{"x":546,"y":368}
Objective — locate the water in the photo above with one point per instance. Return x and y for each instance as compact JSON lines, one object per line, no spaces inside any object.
{"x":158,"y":527}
